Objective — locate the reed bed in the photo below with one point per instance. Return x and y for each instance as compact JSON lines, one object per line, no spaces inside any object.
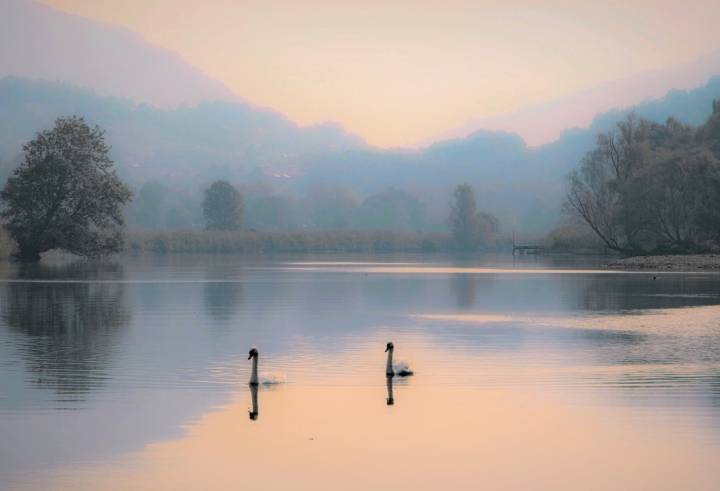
{"x":260,"y":242}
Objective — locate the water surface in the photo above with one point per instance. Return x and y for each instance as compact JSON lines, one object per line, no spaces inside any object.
{"x":531,"y":373}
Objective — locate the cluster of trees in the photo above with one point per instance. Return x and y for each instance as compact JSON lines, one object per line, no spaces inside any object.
{"x":652,"y":188}
{"x":471,"y":229}
{"x":645,"y":188}
{"x":222,"y":207}
{"x":65,"y":195}
{"x":322,"y":207}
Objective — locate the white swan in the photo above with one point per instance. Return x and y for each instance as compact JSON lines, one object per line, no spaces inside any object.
{"x":400,"y":367}
{"x":270,"y":378}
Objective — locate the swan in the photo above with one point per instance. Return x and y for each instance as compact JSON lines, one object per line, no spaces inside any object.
{"x":400,"y":367}
{"x":270,"y":378}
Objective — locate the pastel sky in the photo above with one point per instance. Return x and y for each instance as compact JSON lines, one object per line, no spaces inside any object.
{"x":400,"y":72}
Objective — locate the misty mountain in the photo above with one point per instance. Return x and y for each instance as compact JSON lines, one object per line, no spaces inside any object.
{"x":523,"y":186}
{"x":212,"y":139}
{"x":545,"y":122}
{"x":37,"y":41}
{"x":187,"y":147}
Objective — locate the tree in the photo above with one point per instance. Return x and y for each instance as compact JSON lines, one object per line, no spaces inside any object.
{"x":650,"y":187}
{"x":607,"y":192}
{"x":222,"y":207}
{"x":470,"y":228}
{"x":65,"y":194}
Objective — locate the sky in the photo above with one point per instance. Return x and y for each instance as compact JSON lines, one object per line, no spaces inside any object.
{"x":400,"y":72}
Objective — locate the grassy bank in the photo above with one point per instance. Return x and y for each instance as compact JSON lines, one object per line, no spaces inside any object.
{"x":689,"y":262}
{"x":573,"y":238}
{"x":247,"y":242}
{"x":265,"y":242}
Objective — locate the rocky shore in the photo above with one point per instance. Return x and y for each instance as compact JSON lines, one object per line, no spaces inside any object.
{"x":695,"y":262}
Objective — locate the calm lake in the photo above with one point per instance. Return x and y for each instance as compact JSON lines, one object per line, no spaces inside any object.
{"x":534,"y":373}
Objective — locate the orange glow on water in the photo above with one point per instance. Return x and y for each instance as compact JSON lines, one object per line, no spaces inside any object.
{"x":431,"y":438}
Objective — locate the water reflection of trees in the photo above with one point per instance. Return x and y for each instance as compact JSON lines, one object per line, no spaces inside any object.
{"x":390,"y":400}
{"x":221,"y":294}
{"x":468,"y":287}
{"x":69,"y":318}
{"x":655,"y":361}
{"x":465,"y":288}
{"x":644,"y":291}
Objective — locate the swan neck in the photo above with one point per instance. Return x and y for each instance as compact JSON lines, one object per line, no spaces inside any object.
{"x":389,"y":367}
{"x":254,"y":373}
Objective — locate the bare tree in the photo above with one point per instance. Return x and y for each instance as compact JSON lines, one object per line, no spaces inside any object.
{"x":605,"y":191}
{"x":651,"y":187}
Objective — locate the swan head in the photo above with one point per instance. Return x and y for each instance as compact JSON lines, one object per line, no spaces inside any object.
{"x":252,"y":353}
{"x":389,"y":347}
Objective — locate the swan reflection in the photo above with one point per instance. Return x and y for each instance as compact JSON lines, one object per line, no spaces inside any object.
{"x":255,"y":412}
{"x":390,"y":398}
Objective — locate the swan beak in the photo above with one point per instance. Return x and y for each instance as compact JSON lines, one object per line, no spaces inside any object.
{"x":249,"y":356}
{"x":386,"y":350}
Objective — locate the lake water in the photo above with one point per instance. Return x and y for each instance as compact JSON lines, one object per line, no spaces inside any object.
{"x":530,"y":374}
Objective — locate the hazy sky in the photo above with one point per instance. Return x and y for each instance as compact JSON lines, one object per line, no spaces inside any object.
{"x":400,"y":72}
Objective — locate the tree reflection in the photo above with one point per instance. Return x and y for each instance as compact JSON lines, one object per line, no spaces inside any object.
{"x":390,"y":401}
{"x":630,"y":292}
{"x":69,"y":317}
{"x":469,"y":288}
{"x":221,"y":296}
{"x":465,"y":288}
{"x":255,"y":412}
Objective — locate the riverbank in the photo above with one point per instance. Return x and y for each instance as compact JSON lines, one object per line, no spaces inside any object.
{"x":690,"y":262}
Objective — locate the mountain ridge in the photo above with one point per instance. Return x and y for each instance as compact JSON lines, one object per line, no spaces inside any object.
{"x":187,"y":147}
{"x":38,"y":41}
{"x":543,"y":123}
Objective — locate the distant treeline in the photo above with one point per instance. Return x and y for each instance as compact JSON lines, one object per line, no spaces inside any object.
{"x":67,"y":197}
{"x":322,"y":207}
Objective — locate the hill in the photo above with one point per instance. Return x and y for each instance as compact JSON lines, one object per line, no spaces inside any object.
{"x":185,"y":148}
{"x":37,"y":41}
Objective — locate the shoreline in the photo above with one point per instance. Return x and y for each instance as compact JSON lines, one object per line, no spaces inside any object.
{"x":690,"y":262}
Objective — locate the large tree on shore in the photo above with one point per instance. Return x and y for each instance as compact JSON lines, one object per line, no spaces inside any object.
{"x":65,"y":194}
{"x":222,"y":207}
{"x":650,"y":187}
